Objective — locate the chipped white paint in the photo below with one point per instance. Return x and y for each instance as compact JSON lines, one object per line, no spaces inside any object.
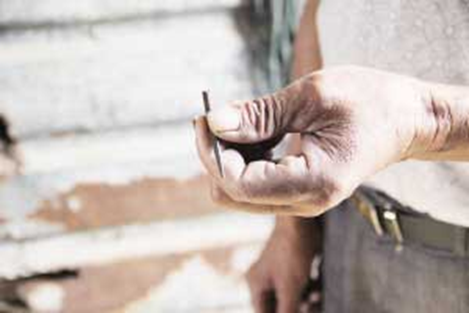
{"x":196,"y":287}
{"x":41,"y":11}
{"x":20,"y":228}
{"x":120,"y":75}
{"x":18,"y":259}
{"x":45,"y":298}
{"x":127,"y":146}
{"x":74,"y":204}
{"x":54,"y":166}
{"x":242,"y":257}
{"x":115,"y":83}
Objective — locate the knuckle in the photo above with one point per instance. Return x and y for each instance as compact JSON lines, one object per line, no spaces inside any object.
{"x":261,"y":118}
{"x":250,"y":117}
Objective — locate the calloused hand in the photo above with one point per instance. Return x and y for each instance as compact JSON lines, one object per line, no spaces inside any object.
{"x":352,"y":122}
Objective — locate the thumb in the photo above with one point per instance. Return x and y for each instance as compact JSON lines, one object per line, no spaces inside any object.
{"x":253,"y":121}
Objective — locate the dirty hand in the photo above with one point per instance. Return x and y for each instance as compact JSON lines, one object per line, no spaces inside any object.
{"x":278,"y":279}
{"x":352,"y":122}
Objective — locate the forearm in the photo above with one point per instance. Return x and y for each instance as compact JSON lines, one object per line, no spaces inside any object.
{"x":300,"y":227}
{"x":306,"y":59}
{"x":306,"y":52}
{"x":447,"y":129}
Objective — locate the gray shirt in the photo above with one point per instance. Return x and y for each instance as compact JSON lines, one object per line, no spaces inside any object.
{"x":428,"y":39}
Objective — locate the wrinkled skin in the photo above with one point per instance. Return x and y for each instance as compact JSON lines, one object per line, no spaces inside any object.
{"x":352,"y":122}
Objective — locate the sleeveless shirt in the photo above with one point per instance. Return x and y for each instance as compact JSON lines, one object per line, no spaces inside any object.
{"x":427,"y":39}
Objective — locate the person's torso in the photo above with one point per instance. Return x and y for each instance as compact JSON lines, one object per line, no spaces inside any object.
{"x":428,"y":39}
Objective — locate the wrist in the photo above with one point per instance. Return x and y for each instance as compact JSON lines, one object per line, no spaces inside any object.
{"x":445,"y":134}
{"x":298,"y":226}
{"x":304,"y":233}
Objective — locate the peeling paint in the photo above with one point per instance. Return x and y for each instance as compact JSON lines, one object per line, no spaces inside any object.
{"x":58,"y":165}
{"x":147,"y":146}
{"x":74,"y":204}
{"x":101,"y":113}
{"x":121,"y":75}
{"x":23,"y":228}
{"x":196,"y":286}
{"x":132,"y":283}
{"x":103,"y":246}
{"x":138,"y":202}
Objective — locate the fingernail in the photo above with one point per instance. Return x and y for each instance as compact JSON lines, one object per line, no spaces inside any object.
{"x":224,"y":119}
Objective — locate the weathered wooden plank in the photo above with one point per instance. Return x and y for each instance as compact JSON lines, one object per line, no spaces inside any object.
{"x":120,"y":75}
{"x":58,"y":11}
{"x":75,"y":250}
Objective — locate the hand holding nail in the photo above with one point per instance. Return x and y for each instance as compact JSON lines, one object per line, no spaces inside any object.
{"x":340,"y":145}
